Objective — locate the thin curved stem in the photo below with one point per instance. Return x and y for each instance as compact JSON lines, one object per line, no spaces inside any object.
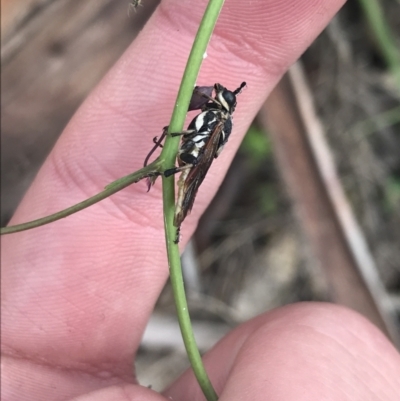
{"x":169,"y":154}
{"x":110,"y":189}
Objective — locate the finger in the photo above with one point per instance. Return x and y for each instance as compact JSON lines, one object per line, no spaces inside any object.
{"x":301,"y":352}
{"x":90,"y":281}
{"x":121,"y":393}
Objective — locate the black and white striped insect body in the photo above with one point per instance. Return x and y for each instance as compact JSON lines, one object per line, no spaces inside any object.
{"x":201,"y":143}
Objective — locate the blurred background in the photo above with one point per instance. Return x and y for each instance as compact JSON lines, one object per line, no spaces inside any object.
{"x":310,"y":209}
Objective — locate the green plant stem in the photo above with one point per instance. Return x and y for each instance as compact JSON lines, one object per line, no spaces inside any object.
{"x":169,"y":154}
{"x":386,"y":41}
{"x":110,"y":189}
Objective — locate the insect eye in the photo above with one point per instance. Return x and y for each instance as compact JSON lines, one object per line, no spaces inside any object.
{"x":229,"y":98}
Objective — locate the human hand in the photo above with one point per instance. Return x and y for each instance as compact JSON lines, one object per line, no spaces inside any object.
{"x":77,"y":293}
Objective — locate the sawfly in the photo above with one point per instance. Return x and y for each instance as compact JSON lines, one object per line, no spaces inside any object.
{"x":201,"y":143}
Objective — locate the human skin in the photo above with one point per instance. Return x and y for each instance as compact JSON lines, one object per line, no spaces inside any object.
{"x":76,"y":294}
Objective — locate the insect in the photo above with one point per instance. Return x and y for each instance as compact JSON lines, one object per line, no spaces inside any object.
{"x":201,"y":143}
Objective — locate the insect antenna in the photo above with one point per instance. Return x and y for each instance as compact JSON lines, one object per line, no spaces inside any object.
{"x":238,"y":90}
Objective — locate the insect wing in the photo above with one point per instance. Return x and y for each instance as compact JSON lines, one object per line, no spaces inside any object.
{"x":201,"y":95}
{"x":197,"y":174}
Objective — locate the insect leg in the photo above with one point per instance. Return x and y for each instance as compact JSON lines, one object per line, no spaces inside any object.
{"x":188,"y":161}
{"x":175,"y":170}
{"x":183,"y":133}
{"x":178,"y":235}
{"x":155,"y":140}
{"x":157,"y":144}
